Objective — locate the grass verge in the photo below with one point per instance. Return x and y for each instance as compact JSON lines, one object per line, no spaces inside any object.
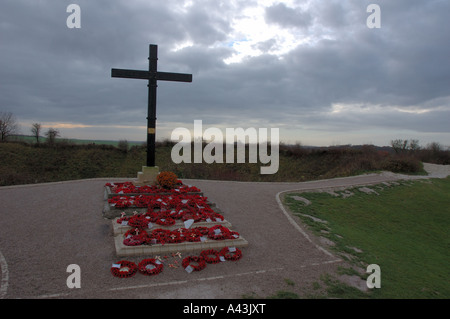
{"x":401,"y":228}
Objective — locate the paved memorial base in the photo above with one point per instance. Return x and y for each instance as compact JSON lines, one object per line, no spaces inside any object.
{"x":184,"y":248}
{"x":47,"y":227}
{"x":119,"y":230}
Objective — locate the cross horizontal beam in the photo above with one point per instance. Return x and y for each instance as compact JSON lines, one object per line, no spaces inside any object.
{"x":146,"y":75}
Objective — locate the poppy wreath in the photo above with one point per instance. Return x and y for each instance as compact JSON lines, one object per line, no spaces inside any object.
{"x":211,"y":260}
{"x":202,"y":229}
{"x":146,"y":270}
{"x":127,"y":269}
{"x":135,"y":240}
{"x":225,"y":252}
{"x":175,"y":238}
{"x":201,"y":263}
{"x":192,"y":235}
{"x":123,"y":219}
{"x":166,"y":221}
{"x":223,"y":234}
{"x":138,"y":221}
{"x":167,"y":180}
{"x":161,"y":236}
{"x":135,"y":232}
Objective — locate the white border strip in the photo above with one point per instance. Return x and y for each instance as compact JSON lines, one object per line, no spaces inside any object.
{"x":297,"y":226}
{"x":5,"y":276}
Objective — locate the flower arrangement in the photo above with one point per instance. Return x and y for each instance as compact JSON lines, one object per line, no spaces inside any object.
{"x":154,"y":266}
{"x":137,"y":237}
{"x":206,"y":254}
{"x":167,"y":180}
{"x":150,"y":267}
{"x":124,"y":269}
{"x":197,"y":263}
{"x":130,"y":188}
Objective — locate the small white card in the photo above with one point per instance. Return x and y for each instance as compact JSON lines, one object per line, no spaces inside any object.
{"x":217,"y":231}
{"x":150,"y":225}
{"x":150,"y":267}
{"x":203,"y":239}
{"x":189,"y":269}
{"x":124,"y":223}
{"x":222,"y":258}
{"x":188,"y":223}
{"x":231,"y":249}
{"x":208,"y":220}
{"x":115,"y":266}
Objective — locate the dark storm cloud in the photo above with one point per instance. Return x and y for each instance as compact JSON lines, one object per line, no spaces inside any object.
{"x":287,"y":17}
{"x":395,"y":76}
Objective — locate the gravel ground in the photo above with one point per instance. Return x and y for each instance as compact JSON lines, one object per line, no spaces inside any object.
{"x":44,"y":228}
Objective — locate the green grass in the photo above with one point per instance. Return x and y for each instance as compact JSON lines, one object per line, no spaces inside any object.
{"x":404,"y":230}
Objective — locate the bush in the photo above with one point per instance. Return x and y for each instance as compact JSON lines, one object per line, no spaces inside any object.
{"x":403,"y":165}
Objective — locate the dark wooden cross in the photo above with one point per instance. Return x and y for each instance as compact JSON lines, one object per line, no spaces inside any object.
{"x":152,"y":75}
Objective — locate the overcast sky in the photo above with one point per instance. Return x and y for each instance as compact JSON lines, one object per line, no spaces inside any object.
{"x":311,"y":68}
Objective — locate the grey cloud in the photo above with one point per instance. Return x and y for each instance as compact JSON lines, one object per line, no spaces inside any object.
{"x":287,"y":17}
{"x":51,"y":73}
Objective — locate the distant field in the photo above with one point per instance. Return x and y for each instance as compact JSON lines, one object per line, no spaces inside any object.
{"x":31,"y":139}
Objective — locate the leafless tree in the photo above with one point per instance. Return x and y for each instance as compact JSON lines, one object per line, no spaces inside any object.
{"x":36,"y":131}
{"x":51,"y":135}
{"x":8,"y":125}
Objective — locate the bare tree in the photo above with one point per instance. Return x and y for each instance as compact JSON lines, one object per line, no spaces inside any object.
{"x":403,"y":146}
{"x":36,"y":130}
{"x":51,"y":135}
{"x":8,"y":125}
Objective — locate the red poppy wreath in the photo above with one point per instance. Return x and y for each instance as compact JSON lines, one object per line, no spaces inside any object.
{"x":235,"y":255}
{"x":150,"y":267}
{"x":201,"y":263}
{"x":206,"y":254}
{"x":124,"y":269}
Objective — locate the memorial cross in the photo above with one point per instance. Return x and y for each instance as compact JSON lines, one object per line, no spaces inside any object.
{"x":152,"y":75}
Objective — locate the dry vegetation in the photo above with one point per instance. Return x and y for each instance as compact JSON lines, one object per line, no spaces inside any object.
{"x":28,"y":162}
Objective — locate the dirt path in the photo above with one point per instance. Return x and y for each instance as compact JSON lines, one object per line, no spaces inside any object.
{"x":44,"y":228}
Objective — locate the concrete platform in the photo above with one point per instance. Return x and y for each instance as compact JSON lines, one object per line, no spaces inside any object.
{"x":119,"y":229}
{"x":111,"y":212}
{"x":186,"y":247}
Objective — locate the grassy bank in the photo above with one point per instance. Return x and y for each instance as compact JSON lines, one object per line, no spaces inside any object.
{"x":403,"y":229}
{"x":22,"y":163}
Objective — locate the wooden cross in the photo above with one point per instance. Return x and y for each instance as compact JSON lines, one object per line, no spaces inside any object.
{"x":152,"y":75}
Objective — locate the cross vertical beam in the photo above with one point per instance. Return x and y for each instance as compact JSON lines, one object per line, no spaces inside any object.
{"x":151,"y":118}
{"x":152,"y":75}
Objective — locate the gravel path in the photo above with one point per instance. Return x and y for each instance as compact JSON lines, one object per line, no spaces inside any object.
{"x":45,"y":228}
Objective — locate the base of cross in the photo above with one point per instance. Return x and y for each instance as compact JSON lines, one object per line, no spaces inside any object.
{"x":147,"y":176}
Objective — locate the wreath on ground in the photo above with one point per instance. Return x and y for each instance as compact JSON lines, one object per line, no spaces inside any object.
{"x":234,"y":255}
{"x":124,"y":269}
{"x":199,"y":260}
{"x":211,"y":260}
{"x":150,"y":267}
